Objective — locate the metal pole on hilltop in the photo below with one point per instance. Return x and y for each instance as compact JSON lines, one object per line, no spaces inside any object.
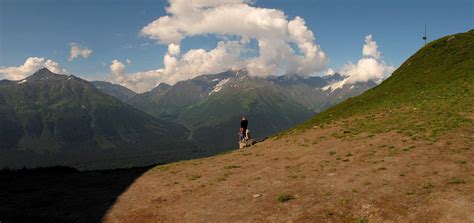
{"x":425,"y":36}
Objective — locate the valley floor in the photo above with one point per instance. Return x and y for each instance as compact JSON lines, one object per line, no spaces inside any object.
{"x":313,"y":176}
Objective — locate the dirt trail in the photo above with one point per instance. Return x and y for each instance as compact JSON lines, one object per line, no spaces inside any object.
{"x":382,"y":178}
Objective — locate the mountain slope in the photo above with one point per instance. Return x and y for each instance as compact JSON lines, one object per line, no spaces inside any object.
{"x":50,"y":119}
{"x":398,"y":153}
{"x":114,"y":90}
{"x":312,"y":92}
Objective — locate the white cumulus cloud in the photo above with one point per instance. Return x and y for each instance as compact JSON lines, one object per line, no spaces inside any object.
{"x":31,"y":65}
{"x":174,"y":49}
{"x":139,"y":82}
{"x":366,"y":69}
{"x":284,"y":46}
{"x":78,"y":51}
{"x":369,"y":68}
{"x":329,"y":72}
{"x":370,"y":48}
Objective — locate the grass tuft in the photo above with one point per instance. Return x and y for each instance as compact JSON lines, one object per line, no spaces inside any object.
{"x":194,"y":177}
{"x":456,"y":180}
{"x":232,"y":167}
{"x":285,"y":197}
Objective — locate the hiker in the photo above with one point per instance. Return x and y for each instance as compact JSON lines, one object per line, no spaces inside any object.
{"x":241,"y":134}
{"x":244,"y":124}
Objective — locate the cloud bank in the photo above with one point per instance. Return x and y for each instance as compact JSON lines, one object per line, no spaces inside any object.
{"x":369,"y":68}
{"x":31,"y":65}
{"x":78,"y":51}
{"x":284,"y":46}
{"x":138,"y":82}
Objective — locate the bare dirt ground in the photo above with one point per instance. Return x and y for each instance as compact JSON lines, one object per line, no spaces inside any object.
{"x":376,"y":178}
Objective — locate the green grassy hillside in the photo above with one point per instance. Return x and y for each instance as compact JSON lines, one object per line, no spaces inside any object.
{"x":431,"y":93}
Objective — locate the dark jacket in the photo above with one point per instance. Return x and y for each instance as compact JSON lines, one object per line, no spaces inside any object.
{"x":244,"y":124}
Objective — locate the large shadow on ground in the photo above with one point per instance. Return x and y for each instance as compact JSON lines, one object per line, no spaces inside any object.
{"x":61,"y":194}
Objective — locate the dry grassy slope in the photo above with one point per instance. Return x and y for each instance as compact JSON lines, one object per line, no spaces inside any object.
{"x":387,"y":177}
{"x":401,"y":152}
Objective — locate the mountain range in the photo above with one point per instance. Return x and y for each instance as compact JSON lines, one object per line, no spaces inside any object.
{"x":211,"y":105}
{"x":50,"y":119}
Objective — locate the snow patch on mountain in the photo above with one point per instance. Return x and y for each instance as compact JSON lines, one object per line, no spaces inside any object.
{"x":219,"y":86}
{"x":334,"y":86}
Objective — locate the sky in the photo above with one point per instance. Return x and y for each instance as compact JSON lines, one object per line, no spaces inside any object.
{"x":141,"y":43}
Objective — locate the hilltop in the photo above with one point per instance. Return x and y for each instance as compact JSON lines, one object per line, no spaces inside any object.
{"x":399,"y":153}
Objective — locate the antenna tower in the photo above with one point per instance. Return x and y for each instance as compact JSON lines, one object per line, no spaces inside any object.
{"x":425,"y":37}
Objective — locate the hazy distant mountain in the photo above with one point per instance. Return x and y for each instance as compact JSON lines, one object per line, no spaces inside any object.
{"x":211,"y":105}
{"x":169,"y":101}
{"x":115,"y":90}
{"x":50,"y":119}
{"x":312,"y":92}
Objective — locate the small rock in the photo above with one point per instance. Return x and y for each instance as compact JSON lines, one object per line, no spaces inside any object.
{"x":256,"y":195}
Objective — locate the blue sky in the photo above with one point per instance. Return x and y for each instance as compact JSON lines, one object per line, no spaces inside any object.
{"x":111,"y":29}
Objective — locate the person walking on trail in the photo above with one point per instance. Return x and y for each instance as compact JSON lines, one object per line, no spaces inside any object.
{"x":244,"y":124}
